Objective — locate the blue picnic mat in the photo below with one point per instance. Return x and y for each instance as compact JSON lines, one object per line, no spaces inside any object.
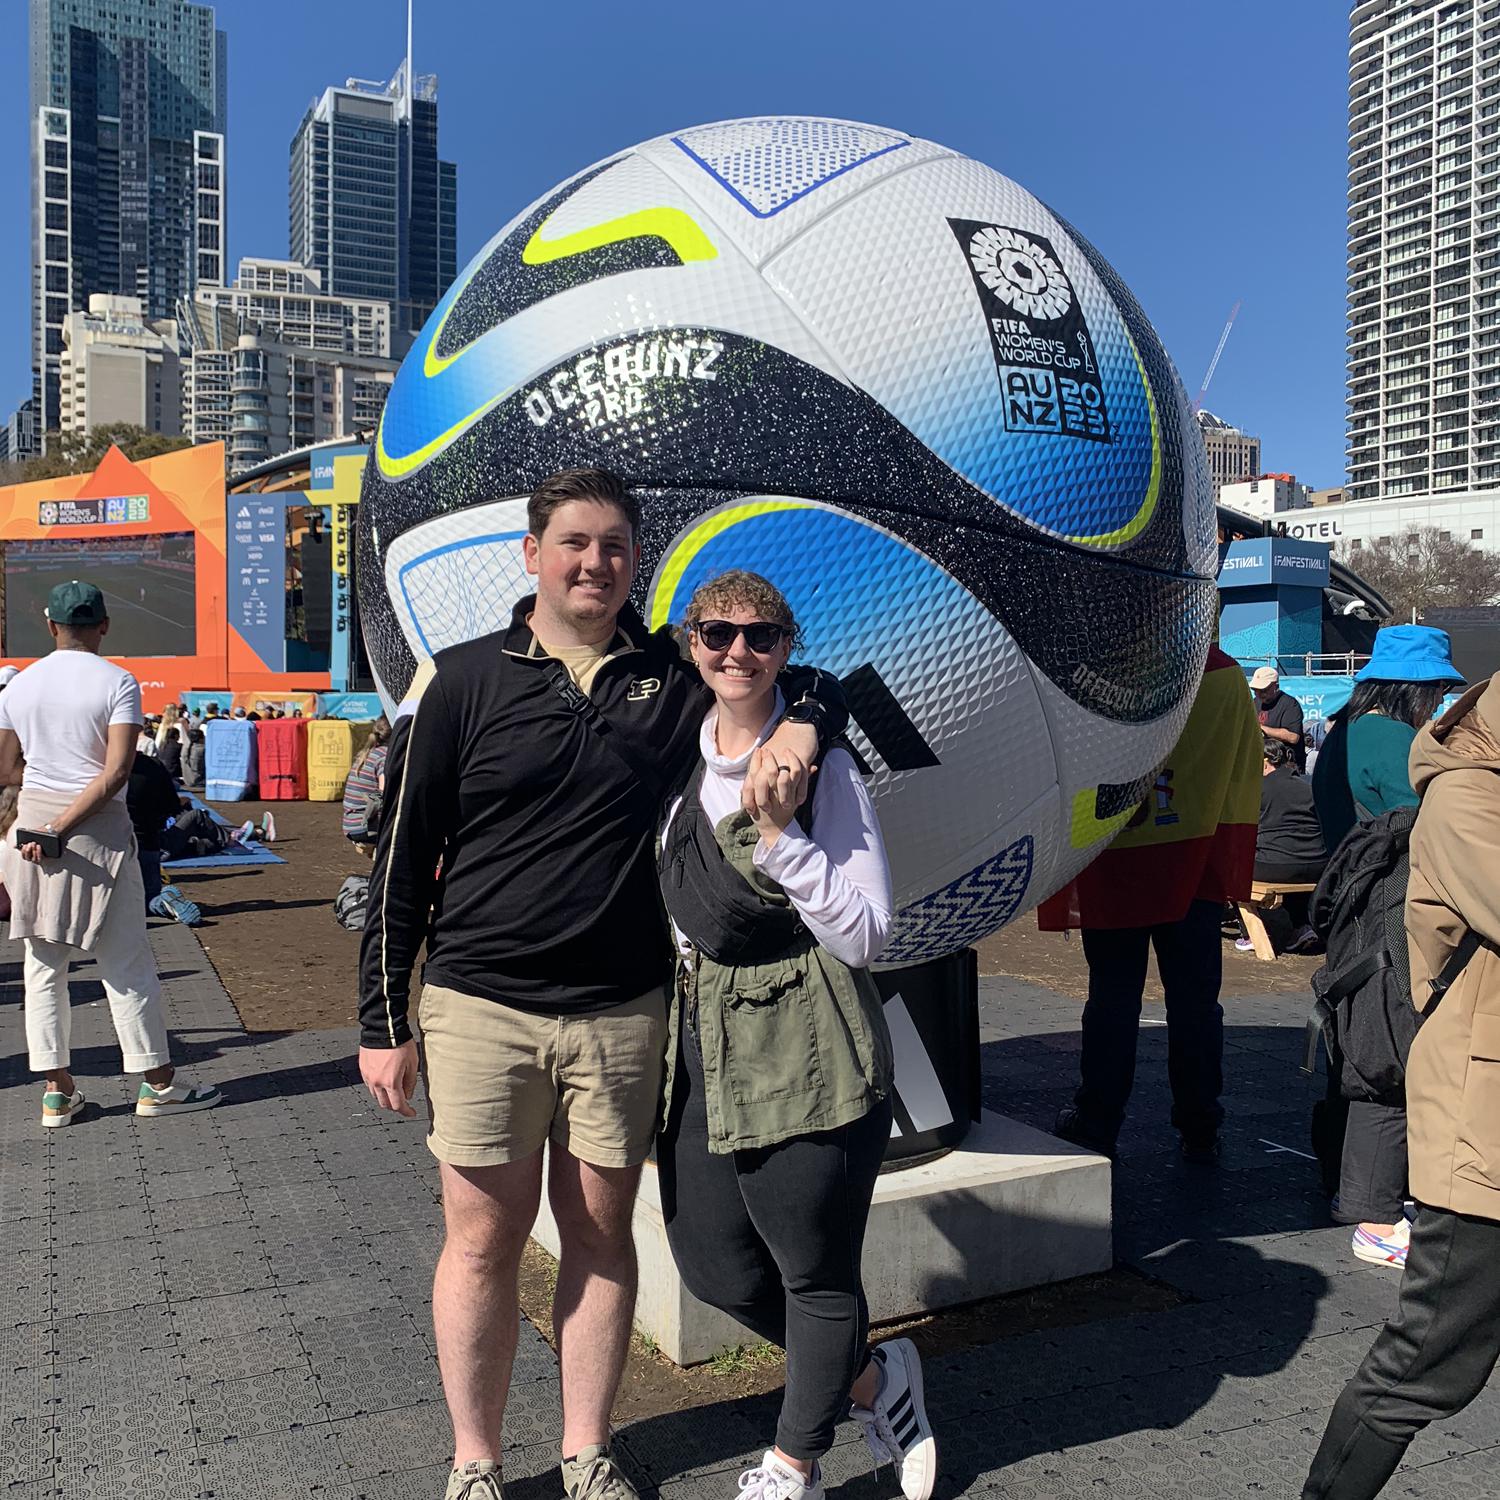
{"x":256,"y":854}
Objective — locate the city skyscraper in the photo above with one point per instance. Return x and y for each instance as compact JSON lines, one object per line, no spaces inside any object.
{"x":372,"y":208}
{"x":1424,"y":247}
{"x":128,"y":116}
{"x":1232,"y":455}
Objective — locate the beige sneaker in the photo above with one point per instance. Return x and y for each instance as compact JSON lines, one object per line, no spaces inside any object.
{"x":594,"y":1475}
{"x":477,"y":1480}
{"x":59,"y":1109}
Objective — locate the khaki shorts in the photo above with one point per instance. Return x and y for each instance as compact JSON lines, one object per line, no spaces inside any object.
{"x":501,"y":1082}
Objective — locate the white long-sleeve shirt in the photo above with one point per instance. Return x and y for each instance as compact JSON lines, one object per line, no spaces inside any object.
{"x":837,"y":876}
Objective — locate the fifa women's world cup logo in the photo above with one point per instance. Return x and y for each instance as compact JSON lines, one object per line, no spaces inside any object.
{"x":1044,"y":355}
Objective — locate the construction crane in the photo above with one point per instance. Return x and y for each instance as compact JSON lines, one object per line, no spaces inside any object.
{"x":1213,"y":364}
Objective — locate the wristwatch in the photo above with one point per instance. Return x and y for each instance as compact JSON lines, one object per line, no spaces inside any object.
{"x":806,"y":710}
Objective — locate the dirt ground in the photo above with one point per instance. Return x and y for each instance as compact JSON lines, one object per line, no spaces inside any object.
{"x":288,"y":965}
{"x":269,"y":929}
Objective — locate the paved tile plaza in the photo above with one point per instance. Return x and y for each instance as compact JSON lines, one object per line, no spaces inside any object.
{"x":237,"y":1304}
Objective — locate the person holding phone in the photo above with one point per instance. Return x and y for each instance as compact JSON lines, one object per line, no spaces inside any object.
{"x":68,"y":730}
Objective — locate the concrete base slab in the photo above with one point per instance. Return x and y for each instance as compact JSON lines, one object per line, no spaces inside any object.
{"x":1010,"y":1208}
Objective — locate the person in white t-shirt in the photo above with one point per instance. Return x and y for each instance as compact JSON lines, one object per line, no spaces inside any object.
{"x":68,"y":730}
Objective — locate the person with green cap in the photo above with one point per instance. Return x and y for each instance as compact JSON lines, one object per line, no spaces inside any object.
{"x":1361,"y":772}
{"x":68,"y":729}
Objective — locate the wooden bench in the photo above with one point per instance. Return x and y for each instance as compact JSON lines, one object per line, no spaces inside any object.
{"x":1264,"y":897}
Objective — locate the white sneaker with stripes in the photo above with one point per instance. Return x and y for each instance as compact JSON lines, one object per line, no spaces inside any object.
{"x":896,"y":1428}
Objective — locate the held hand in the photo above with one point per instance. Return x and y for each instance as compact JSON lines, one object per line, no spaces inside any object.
{"x":776,"y":754}
{"x":793,"y":745}
{"x":390,"y":1074}
{"x":771,"y":795}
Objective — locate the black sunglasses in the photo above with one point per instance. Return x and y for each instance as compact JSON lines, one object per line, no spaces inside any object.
{"x":761,"y":636}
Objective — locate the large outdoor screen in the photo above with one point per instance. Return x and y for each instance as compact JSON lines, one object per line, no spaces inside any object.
{"x":147,"y":583}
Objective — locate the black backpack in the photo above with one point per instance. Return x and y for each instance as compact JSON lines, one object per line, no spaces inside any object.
{"x":1363,"y":1008}
{"x":352,"y":901}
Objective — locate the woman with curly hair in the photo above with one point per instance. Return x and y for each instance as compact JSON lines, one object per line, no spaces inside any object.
{"x":779,"y":1062}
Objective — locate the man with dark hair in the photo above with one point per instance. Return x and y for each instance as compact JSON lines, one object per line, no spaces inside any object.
{"x":531,"y":763}
{"x":68,"y":730}
{"x":596,"y":485}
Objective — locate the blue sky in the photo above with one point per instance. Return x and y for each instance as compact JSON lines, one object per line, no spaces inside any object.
{"x":1200,"y":145}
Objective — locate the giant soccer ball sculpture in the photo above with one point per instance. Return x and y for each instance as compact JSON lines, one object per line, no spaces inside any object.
{"x":899,"y":386}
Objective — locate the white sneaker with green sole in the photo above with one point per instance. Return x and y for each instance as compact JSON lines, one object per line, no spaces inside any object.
{"x":59,"y":1109}
{"x":177,"y":1098}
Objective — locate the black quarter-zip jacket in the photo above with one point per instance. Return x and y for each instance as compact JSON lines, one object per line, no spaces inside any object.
{"x":547,"y":900}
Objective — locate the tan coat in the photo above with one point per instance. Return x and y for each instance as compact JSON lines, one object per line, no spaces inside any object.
{"x":66,"y":900}
{"x":1453,"y":1076}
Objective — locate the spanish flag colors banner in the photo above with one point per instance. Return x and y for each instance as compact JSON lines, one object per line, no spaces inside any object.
{"x":1193,"y":838}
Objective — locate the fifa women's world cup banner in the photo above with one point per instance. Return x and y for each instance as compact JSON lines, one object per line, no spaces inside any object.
{"x":193,"y":604}
{"x":150,"y":536}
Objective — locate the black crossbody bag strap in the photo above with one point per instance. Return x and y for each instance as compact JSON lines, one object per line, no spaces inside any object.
{"x":1458,"y":960}
{"x":581,"y":704}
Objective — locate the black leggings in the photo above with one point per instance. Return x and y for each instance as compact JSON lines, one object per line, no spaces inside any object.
{"x":773,"y":1237}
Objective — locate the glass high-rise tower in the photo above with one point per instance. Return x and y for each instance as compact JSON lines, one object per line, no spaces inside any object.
{"x":128,"y":117}
{"x":371,"y":206}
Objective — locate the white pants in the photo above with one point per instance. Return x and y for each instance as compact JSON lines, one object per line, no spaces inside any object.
{"x":128,"y":968}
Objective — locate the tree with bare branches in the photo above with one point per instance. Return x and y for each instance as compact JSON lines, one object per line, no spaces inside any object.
{"x":1425,"y":568}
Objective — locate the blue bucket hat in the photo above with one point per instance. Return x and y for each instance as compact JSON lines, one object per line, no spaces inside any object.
{"x":1410,"y":653}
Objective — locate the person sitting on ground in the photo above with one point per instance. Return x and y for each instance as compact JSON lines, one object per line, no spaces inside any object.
{"x":194,"y":755}
{"x":151,"y":798}
{"x":195,"y":833}
{"x":1288,"y":839}
{"x":145,"y":743}
{"x":365,"y":788}
{"x":171,"y":740}
{"x":1279,"y":713}
{"x":1362,"y":773}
